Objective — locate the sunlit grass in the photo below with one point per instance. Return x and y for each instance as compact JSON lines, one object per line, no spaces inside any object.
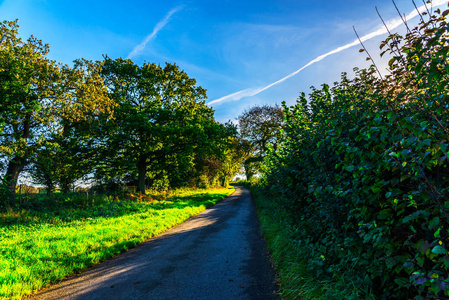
{"x":40,"y":247}
{"x":292,"y":260}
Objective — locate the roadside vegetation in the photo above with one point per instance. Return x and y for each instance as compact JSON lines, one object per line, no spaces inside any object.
{"x":66,"y":234}
{"x":112,"y":153}
{"x":354,"y":197}
{"x":351,"y":183}
{"x":291,"y":262}
{"x":109,"y":124}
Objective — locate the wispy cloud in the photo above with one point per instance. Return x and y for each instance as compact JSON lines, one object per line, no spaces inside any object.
{"x":139,"y":48}
{"x":391,"y":24}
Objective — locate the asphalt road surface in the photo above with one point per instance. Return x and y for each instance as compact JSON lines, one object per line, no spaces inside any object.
{"x":218,"y":254}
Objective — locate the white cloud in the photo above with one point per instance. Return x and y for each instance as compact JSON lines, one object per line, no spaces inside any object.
{"x":236,"y":96}
{"x":391,"y":24}
{"x":139,"y":48}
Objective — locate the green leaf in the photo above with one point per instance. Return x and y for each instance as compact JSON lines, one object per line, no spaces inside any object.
{"x":411,"y":140}
{"x":446,"y":261}
{"x":439,"y":250}
{"x":420,"y":261}
{"x":391,"y":262}
{"x":415,"y":215}
{"x":391,"y":61}
{"x":367,"y":280}
{"x":375,"y":189}
{"x":393,"y":154}
{"x":404,"y":177}
{"x":427,"y":142}
{"x":435,"y":221}
{"x":350,"y":168}
{"x":437,"y":233}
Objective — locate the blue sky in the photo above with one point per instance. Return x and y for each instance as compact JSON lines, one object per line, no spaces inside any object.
{"x":229,"y":46}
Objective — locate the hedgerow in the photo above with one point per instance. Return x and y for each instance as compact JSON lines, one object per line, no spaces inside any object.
{"x":364,"y":167}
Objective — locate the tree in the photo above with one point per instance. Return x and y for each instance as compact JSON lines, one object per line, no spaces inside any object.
{"x":161,"y":120}
{"x":220,"y":166}
{"x":62,"y":161}
{"x":232,"y":162}
{"x":43,"y":169}
{"x":40,"y":97}
{"x":260,"y":127}
{"x":25,"y":78}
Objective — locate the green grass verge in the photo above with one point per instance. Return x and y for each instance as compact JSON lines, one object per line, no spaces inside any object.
{"x":290,"y":257}
{"x":41,"y":247}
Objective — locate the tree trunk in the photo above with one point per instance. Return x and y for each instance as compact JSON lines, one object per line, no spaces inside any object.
{"x":65,"y":187}
{"x":142,"y":172}
{"x":49,"y":184}
{"x":15,"y":166}
{"x":248,"y":171}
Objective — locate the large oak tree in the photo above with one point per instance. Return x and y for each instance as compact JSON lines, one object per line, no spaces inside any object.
{"x":259,"y":128}
{"x":40,"y":98}
{"x":161,"y":121}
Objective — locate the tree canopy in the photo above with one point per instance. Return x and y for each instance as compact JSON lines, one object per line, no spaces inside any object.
{"x":259,"y":128}
{"x":40,"y":98}
{"x":146,"y":125}
{"x":161,"y":123}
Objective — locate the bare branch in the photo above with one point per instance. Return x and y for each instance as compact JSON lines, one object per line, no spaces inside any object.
{"x":398,"y":52}
{"x":361,"y":43}
{"x":402,"y":18}
{"x":417,"y":10}
{"x":425,"y":5}
{"x":383,"y":22}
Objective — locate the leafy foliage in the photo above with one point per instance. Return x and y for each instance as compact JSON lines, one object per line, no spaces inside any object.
{"x":364,"y":166}
{"x":259,"y":128}
{"x":112,"y":118}
{"x":161,"y":124}
{"x":261,"y":125}
{"x":40,"y":98}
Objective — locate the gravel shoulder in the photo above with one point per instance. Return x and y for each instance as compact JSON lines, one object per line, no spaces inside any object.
{"x":218,"y":254}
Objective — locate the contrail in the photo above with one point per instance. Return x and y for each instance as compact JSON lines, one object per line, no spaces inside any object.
{"x":138,"y":49}
{"x":391,"y":24}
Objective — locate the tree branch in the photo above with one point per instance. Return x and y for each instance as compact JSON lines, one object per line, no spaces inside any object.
{"x":367,"y":52}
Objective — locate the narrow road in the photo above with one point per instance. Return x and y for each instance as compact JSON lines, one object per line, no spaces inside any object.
{"x":218,"y":254}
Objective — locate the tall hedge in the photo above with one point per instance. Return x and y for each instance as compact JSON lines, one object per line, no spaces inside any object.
{"x":364,"y":168}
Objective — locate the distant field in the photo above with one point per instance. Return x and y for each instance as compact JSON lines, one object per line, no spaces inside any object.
{"x":62,"y":237}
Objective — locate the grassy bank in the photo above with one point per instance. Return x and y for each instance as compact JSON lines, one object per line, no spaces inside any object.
{"x":62,"y":236}
{"x":291,"y":257}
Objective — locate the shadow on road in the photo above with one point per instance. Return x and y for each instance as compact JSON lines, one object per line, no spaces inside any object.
{"x":217,"y":254}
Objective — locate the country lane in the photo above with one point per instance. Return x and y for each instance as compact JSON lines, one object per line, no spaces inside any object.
{"x":218,"y":254}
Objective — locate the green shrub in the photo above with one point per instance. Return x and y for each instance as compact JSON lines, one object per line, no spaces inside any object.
{"x":247,"y":183}
{"x":363,"y":168}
